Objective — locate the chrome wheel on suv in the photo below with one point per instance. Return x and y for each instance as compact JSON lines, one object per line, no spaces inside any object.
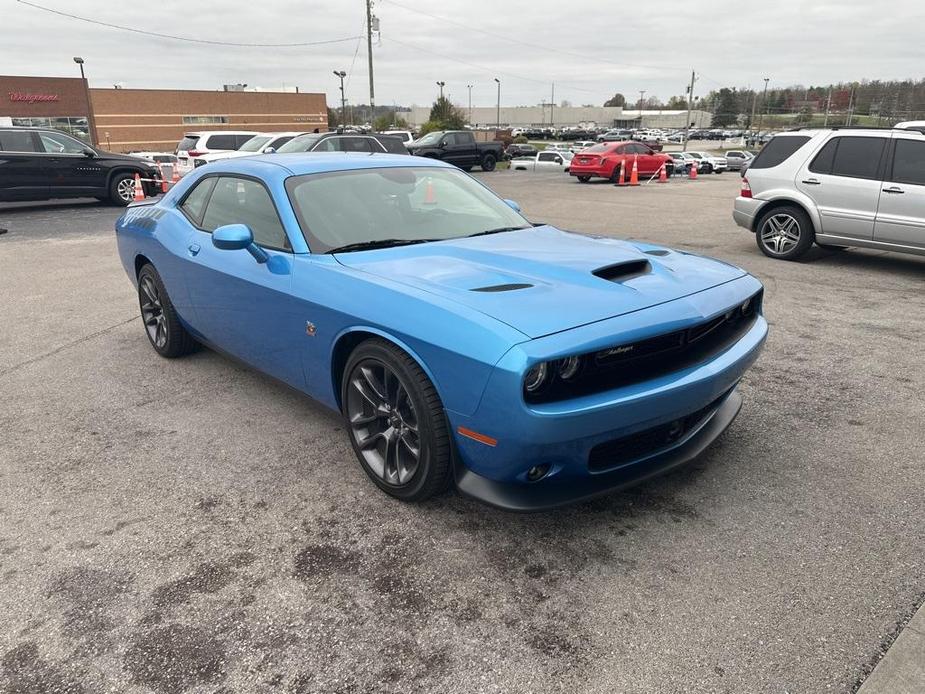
{"x":785,"y":233}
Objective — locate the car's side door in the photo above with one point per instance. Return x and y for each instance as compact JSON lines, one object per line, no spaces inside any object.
{"x":242,"y":306}
{"x":454,"y":151}
{"x":71,"y":172}
{"x":844,"y":180}
{"x":901,"y":213}
{"x":22,"y":173}
{"x":549,"y":161}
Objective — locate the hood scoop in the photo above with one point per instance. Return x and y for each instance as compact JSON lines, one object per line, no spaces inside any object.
{"x":621,"y":272}
{"x":501,"y":287}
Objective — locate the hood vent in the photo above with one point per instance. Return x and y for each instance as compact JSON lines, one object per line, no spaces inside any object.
{"x":501,"y":288}
{"x":621,"y":272}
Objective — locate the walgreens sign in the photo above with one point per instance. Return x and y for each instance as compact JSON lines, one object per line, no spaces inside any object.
{"x":32,"y":98}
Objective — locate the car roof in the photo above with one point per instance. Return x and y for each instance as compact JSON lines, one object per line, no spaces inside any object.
{"x":302,"y":163}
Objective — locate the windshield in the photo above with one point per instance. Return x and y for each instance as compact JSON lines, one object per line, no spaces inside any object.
{"x":403,"y":203}
{"x":255,"y":144}
{"x":302,"y":143}
{"x":430,"y":138}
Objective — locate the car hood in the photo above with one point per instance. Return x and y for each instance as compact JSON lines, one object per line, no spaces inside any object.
{"x":543,"y":280}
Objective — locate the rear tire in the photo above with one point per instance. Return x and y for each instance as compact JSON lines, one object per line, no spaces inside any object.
{"x":488,"y":162}
{"x":162,"y":325}
{"x":784,"y":233}
{"x":396,"y":422}
{"x":583,"y":179}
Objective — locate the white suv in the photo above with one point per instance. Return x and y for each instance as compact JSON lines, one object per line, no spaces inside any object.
{"x":836,"y":187}
{"x":263,"y":143}
{"x":203,"y":142}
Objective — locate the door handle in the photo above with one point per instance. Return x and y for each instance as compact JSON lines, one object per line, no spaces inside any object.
{"x":193,"y":248}
{"x":811,"y":181}
{"x":894,"y":190}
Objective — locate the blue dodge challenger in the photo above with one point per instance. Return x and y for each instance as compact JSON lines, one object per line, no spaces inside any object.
{"x":529,"y":366}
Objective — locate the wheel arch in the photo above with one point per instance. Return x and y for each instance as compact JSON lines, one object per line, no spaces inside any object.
{"x":792,"y":201}
{"x":349,"y":339}
{"x":127,"y":168}
{"x":140,"y":261}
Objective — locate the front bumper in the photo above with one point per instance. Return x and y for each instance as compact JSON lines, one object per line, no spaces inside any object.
{"x":566,"y":435}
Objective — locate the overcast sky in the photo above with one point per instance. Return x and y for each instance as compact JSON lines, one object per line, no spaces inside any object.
{"x":592,"y":48}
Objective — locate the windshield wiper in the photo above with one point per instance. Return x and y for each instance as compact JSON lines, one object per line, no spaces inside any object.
{"x":499,"y":230}
{"x":377,"y":243}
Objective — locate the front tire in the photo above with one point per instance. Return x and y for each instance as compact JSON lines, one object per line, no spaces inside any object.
{"x":122,"y":189}
{"x":162,"y":324}
{"x":785,"y":233}
{"x":396,"y":422}
{"x":583,"y":179}
{"x":488,"y":162}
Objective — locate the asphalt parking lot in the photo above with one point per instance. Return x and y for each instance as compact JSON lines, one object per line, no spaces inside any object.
{"x":191,"y":525}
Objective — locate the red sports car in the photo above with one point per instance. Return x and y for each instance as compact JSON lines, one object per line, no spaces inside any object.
{"x":603,"y":161}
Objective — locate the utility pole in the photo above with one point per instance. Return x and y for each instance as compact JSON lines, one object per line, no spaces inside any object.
{"x":690,"y":106}
{"x":498,"y":107}
{"x":369,"y":52}
{"x":828,"y":104}
{"x":850,"y":106}
{"x":343,"y":101}
{"x":552,"y":107}
{"x":764,"y":104}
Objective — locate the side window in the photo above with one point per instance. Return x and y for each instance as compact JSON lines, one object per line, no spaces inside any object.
{"x":909,"y":162}
{"x":241,"y":139}
{"x":222,"y":142}
{"x":328,"y":145}
{"x":195,"y":200}
{"x":280,"y":141}
{"x":547,"y":156}
{"x":17,"y":141}
{"x":858,"y":157}
{"x":822,"y":162}
{"x":360,"y":144}
{"x":242,"y":201}
{"x":61,"y":144}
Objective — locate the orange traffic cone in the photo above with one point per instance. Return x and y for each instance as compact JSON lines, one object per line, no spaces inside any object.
{"x":160,"y":170}
{"x":139,"y":191}
{"x":621,"y":180}
{"x":429,"y":197}
{"x":634,"y":173}
{"x":693,"y":173}
{"x":175,"y":179}
{"x":662,"y":175}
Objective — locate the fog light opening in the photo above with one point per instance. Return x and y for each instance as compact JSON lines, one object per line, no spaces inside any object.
{"x":537,"y":472}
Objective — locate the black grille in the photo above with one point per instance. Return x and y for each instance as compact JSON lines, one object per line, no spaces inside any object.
{"x":617,"y":452}
{"x":625,"y":364}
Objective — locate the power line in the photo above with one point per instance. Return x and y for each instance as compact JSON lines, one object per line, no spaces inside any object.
{"x":186,"y":38}
{"x":510,"y":39}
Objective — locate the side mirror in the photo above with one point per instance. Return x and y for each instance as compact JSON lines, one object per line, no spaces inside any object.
{"x":513,"y":205}
{"x":237,"y":237}
{"x":89,"y":152}
{"x":443,"y":143}
{"x":269,"y":150}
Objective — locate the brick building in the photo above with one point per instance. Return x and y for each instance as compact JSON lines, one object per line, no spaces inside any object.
{"x":129,"y":120}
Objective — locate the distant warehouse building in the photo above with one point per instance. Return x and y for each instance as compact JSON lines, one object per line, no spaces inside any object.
{"x":125,"y":120}
{"x":569,"y":116}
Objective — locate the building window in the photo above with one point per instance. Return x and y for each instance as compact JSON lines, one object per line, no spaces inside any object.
{"x":205,"y":120}
{"x":78,"y":126}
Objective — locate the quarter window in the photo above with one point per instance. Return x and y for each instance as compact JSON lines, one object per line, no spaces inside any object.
{"x":778,"y":150}
{"x":822,"y":163}
{"x":243,"y":201}
{"x":909,"y":162}
{"x":17,"y":141}
{"x":195,"y":201}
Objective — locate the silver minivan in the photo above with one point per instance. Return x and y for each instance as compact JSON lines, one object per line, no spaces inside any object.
{"x":836,"y":187}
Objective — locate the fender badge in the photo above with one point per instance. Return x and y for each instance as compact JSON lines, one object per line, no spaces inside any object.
{"x":310,"y":328}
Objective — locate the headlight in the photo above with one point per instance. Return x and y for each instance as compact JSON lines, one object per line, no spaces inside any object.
{"x":535,"y":377}
{"x":569,"y":367}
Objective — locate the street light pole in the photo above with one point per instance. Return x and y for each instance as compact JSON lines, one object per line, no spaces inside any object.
{"x":498,"y":107}
{"x":441,"y":85}
{"x":690,"y":105}
{"x":343,"y":101}
{"x":764,"y":104}
{"x":369,"y":52}
{"x":469,"y":87}
{"x":91,"y":119}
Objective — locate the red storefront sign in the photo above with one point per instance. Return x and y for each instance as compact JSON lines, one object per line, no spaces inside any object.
{"x":32,"y":98}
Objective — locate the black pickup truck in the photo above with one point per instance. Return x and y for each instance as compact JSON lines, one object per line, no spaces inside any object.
{"x":458,"y":147}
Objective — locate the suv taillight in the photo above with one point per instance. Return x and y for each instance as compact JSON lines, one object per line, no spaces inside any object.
{"x":746,"y":191}
{"x":194,"y":153}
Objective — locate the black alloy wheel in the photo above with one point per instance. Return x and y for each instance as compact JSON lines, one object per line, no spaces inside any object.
{"x":162,"y":325}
